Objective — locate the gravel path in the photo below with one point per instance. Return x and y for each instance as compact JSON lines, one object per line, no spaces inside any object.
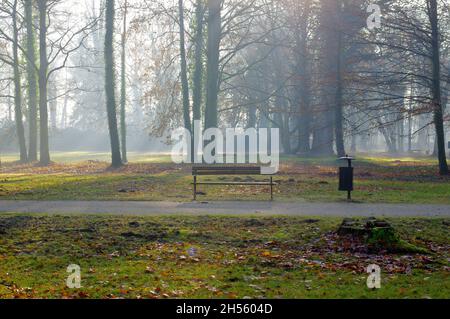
{"x":223,"y":208}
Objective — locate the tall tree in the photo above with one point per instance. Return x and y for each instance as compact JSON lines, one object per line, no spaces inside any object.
{"x":437,"y":94}
{"x":44,"y":150}
{"x":212,"y":73}
{"x":197,"y":82}
{"x":123,"y":87}
{"x":184,"y":75}
{"x":32,"y":85}
{"x":323,"y":136}
{"x":18,"y":86}
{"x":303,"y":78}
{"x":338,"y":102}
{"x":110,"y":85}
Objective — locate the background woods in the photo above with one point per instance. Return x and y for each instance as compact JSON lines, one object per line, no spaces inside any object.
{"x":121,"y":74}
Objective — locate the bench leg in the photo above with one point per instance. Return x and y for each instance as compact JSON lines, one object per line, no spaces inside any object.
{"x":195,"y":188}
{"x":271,"y":188}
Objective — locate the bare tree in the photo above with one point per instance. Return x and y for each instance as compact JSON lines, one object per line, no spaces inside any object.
{"x":212,"y":73}
{"x":110,"y":85}
{"x":13,"y":60}
{"x":184,"y":72}
{"x":123,"y":87}
{"x":18,"y":85}
{"x":437,"y":95}
{"x":32,"y":85}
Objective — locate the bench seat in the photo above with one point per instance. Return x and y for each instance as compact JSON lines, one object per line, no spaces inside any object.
{"x":224,"y":170}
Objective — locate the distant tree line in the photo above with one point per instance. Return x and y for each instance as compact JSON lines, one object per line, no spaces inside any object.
{"x":311,"y":68}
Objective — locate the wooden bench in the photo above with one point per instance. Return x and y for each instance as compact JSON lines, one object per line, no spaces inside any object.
{"x":216,"y":170}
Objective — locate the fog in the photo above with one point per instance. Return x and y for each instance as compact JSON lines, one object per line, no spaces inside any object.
{"x":335,"y":76}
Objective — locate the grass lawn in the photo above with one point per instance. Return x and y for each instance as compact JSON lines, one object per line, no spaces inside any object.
{"x":85,"y":176}
{"x":213,"y":257}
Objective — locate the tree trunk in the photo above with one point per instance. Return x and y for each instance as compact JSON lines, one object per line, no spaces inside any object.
{"x":212,"y":81}
{"x":123,"y":89}
{"x":338,"y":108}
{"x":353,"y":147}
{"x":44,"y":153}
{"x":410,"y":119}
{"x":401,"y":134}
{"x":53,"y":103}
{"x":323,"y":136}
{"x":437,"y":98}
{"x":387,"y":137}
{"x":184,"y":75}
{"x":409,"y":133}
{"x":18,"y":88}
{"x":282,"y":119}
{"x":422,"y":139}
{"x":198,"y":76}
{"x":32,"y":85}
{"x":304,"y":117}
{"x":10,"y":105}
{"x":66,"y":102}
{"x":198,"y":68}
{"x":110,"y":86}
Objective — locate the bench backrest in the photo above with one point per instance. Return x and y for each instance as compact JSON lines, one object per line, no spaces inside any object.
{"x":225,"y":170}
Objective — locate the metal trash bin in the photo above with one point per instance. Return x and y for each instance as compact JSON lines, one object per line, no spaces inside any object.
{"x":346,"y":177}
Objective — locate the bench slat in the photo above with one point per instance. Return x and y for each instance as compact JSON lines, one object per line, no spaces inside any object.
{"x":224,"y":170}
{"x":235,"y":183}
{"x":213,"y":173}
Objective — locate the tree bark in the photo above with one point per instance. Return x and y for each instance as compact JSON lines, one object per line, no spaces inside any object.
{"x":110,"y":86}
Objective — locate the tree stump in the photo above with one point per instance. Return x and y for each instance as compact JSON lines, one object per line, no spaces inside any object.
{"x":378,"y":235}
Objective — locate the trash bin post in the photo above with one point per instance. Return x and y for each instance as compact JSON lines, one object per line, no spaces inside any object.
{"x":346,"y":177}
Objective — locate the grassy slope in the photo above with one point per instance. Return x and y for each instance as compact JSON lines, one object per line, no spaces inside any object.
{"x":151,"y":177}
{"x":149,"y":257}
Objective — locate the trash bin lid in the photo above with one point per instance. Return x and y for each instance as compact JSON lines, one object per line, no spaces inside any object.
{"x":346,"y":158}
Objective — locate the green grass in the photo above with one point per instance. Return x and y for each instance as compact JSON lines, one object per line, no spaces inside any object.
{"x":155,"y":178}
{"x":74,"y":157}
{"x":177,"y":187}
{"x":234,"y":257}
{"x":143,"y":157}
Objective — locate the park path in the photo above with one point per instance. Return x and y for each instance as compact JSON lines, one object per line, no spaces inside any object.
{"x":223,"y":208}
